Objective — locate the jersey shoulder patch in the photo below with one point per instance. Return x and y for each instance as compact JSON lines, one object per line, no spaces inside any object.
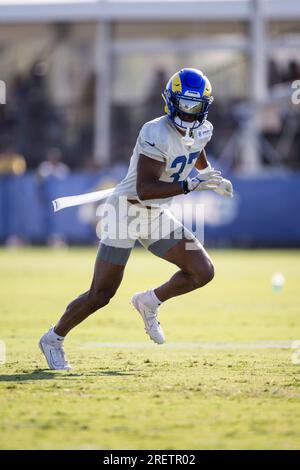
{"x":208,"y":126}
{"x":205,"y":131}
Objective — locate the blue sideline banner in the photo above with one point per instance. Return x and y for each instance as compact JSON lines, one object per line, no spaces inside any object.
{"x":264,"y":211}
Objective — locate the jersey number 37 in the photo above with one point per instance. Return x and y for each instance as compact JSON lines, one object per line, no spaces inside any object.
{"x":181,"y":163}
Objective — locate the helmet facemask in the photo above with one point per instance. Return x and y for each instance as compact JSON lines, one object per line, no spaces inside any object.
{"x":190,"y":112}
{"x":187,"y":113}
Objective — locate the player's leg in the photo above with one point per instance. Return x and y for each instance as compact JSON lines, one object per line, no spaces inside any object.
{"x":114,"y":251}
{"x":181,"y":248}
{"x":106,"y":280}
{"x":108,"y":274}
{"x":196,"y":269}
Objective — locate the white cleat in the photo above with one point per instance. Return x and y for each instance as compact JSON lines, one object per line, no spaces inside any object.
{"x":142,"y":303}
{"x":53,"y":350}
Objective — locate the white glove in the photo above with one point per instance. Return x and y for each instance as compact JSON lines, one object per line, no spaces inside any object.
{"x":211,"y":179}
{"x":225,"y":188}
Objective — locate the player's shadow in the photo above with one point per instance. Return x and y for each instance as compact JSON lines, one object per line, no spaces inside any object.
{"x":44,"y":374}
{"x":38,"y":374}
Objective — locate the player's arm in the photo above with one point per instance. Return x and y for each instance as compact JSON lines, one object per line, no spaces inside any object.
{"x":148,"y":185}
{"x":202,"y":163}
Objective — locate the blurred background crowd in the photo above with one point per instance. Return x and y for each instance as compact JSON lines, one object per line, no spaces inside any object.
{"x":77,"y":92}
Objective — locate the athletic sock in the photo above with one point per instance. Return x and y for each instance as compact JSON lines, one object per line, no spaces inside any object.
{"x":55,"y":336}
{"x":154,"y":298}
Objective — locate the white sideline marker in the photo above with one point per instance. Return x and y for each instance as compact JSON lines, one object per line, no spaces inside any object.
{"x":264,"y":344}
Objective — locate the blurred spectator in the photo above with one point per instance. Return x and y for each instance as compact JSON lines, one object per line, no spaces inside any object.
{"x":274,"y":75}
{"x":154,"y":105}
{"x":36,"y":124}
{"x":278,"y":73}
{"x":41,"y":121}
{"x":293,"y":71}
{"x":87,"y":106}
{"x":51,"y":168}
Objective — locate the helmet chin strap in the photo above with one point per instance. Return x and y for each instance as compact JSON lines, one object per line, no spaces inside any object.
{"x":187,"y":139}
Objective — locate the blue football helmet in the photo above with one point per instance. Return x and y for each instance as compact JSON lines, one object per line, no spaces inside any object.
{"x":187,"y":98}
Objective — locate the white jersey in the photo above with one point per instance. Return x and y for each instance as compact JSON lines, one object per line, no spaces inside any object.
{"x":160,"y":140}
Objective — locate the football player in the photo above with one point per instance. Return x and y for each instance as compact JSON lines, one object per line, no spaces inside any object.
{"x":166,"y":151}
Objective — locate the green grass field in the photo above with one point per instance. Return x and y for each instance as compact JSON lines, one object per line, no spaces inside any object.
{"x":145,"y":396}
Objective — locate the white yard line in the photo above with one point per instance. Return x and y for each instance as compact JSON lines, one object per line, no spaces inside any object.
{"x":264,"y":344}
